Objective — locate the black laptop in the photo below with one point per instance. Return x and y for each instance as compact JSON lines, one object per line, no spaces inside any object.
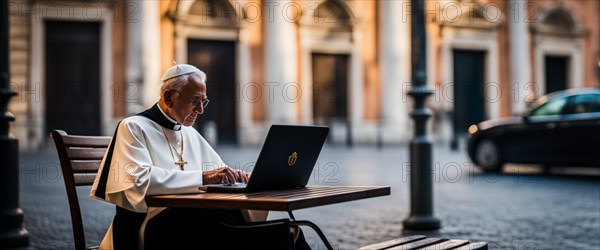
{"x":286,"y":160}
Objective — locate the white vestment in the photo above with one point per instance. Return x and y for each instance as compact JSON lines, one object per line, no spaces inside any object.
{"x":144,"y":164}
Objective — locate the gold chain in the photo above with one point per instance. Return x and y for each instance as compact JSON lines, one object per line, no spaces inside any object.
{"x":180,"y":162}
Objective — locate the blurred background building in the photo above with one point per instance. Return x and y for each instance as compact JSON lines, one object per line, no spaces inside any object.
{"x":81,"y":66}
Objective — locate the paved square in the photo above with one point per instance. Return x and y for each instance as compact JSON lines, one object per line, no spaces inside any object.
{"x":510,"y":211}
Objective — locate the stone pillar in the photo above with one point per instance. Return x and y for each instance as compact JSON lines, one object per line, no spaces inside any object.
{"x":150,"y":12}
{"x":394,"y":61}
{"x":245,"y":90}
{"x":134,"y":73}
{"x":520,"y":61}
{"x":281,"y":90}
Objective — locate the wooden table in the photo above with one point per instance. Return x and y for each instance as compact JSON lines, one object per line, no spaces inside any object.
{"x":277,"y":200}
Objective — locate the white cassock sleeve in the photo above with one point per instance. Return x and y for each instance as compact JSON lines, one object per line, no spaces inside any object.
{"x":140,"y":166}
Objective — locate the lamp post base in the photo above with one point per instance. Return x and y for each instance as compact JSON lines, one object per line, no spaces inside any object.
{"x":12,"y":233}
{"x":422,"y":222}
{"x":14,"y":237}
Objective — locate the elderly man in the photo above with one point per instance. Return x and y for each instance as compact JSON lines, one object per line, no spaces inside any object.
{"x":158,"y":152}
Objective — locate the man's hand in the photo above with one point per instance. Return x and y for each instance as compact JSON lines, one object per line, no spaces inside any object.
{"x":224,"y":175}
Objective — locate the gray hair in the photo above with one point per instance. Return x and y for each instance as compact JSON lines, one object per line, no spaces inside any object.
{"x":177,"y":83}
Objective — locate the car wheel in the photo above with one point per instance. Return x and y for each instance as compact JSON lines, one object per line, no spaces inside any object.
{"x":488,"y":156}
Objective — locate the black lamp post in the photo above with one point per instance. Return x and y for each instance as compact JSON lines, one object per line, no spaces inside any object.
{"x":421,"y":187}
{"x":12,"y":233}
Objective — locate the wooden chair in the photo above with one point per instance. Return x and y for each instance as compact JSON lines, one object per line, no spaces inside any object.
{"x":80,"y":158}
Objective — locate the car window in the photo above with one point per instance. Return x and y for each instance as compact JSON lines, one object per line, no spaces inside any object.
{"x":596,"y":106}
{"x":581,"y":104}
{"x":552,"y":107}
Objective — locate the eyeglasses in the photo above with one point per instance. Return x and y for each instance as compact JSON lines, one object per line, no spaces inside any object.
{"x":196,"y":101}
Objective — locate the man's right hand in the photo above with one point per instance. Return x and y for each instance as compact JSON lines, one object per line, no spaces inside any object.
{"x":224,"y":175}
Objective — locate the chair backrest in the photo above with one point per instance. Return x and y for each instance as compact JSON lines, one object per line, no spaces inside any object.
{"x":80,"y":158}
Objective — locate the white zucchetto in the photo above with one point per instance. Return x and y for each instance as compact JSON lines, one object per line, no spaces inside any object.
{"x":179,"y":69}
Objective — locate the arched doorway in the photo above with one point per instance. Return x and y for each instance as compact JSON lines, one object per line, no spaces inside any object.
{"x":207,"y":36}
{"x":470,"y":58}
{"x":558,"y":50}
{"x":331,"y":63}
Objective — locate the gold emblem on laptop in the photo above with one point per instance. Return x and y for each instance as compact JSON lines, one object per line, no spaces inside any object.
{"x":292,"y":159}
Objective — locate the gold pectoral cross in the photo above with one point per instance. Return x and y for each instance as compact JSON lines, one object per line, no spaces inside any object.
{"x":180,"y":162}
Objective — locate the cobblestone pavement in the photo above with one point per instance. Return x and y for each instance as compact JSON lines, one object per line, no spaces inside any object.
{"x":509,"y":211}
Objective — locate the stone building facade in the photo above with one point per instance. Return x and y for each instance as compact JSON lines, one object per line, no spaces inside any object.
{"x":82,"y":66}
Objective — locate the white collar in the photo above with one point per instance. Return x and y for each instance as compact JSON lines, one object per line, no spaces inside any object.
{"x":177,"y":125}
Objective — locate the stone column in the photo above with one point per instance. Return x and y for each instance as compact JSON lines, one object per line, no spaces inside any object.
{"x":520,"y":61}
{"x":150,"y":12}
{"x":281,"y":90}
{"x":134,"y":73}
{"x":245,"y":91}
{"x":394,"y":61}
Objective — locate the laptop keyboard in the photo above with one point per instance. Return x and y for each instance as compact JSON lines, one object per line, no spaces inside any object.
{"x":237,"y":184}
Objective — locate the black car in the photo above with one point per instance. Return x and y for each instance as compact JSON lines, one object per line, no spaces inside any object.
{"x":560,"y":129}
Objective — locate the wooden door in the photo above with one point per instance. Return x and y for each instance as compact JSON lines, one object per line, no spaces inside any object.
{"x":556,"y":73}
{"x":72,"y":77}
{"x":469,"y":83}
{"x":217,"y":60}
{"x":330,"y":88}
